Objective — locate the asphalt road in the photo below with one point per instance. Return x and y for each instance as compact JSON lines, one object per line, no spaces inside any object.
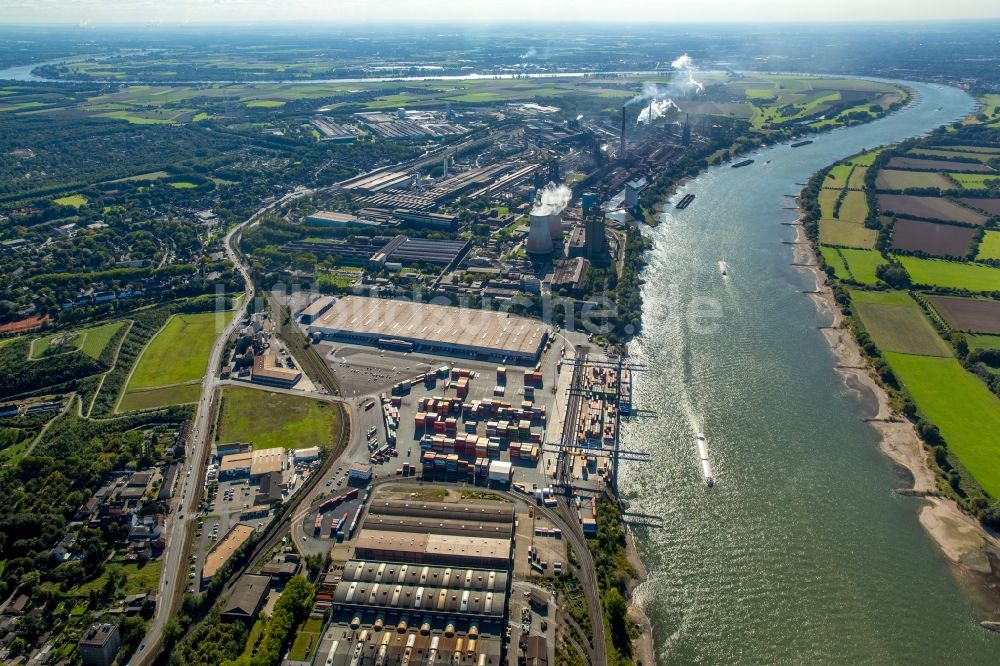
{"x":190,"y":483}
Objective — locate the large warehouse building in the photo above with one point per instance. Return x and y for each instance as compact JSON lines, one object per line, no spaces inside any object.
{"x":429,"y":585}
{"x":423,"y":327}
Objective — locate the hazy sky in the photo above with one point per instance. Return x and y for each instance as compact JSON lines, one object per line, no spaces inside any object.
{"x":181,"y":11}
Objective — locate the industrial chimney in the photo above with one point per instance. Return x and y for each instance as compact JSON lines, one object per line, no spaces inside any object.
{"x":621,"y":152}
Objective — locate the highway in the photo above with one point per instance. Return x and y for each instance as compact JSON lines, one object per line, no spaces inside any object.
{"x":189,"y":484}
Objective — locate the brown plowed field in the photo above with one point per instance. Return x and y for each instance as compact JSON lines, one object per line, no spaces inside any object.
{"x":967,"y":314}
{"x":889,"y":179}
{"x":940,"y":240}
{"x":931,"y":208}
{"x":937,"y":165}
{"x":991,"y":206}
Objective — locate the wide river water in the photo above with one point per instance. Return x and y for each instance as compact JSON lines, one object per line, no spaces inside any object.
{"x":801,"y":553}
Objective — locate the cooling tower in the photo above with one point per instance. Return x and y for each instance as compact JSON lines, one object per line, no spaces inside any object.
{"x":539,"y":234}
{"x":555,"y":227}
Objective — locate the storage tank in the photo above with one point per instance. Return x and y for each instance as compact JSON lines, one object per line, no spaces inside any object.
{"x":539,"y":234}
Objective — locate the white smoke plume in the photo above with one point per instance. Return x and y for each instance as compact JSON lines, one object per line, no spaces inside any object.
{"x":552,"y":199}
{"x":530,"y":53}
{"x":655,"y":109}
{"x":685,"y":69}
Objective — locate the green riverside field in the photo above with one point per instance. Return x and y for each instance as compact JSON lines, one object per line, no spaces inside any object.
{"x":897,"y":324}
{"x":271,"y":420}
{"x":961,"y":406}
{"x":938,"y":273}
{"x":862,"y":264}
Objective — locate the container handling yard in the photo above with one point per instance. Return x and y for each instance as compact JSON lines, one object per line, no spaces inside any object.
{"x":471,"y":481}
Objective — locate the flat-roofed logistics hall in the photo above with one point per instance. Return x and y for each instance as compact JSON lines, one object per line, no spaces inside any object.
{"x":423,"y":327}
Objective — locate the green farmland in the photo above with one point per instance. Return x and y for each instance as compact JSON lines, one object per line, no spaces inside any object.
{"x":983,"y":341}
{"x":973,"y":181}
{"x":862,"y":264}
{"x":857,"y":265}
{"x":989,"y":248}
{"x":961,"y":406}
{"x":865,"y":159}
{"x":833,"y":258}
{"x":836,"y":179}
{"x":854,"y":207}
{"x":272,"y":420}
{"x":897,"y":324}
{"x":937,"y":273}
{"x":846,"y":234}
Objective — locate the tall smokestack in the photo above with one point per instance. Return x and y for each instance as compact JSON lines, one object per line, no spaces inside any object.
{"x":622,"y":150}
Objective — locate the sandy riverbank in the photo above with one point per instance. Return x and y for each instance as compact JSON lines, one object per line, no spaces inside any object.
{"x":973,"y":550}
{"x":643,"y":647}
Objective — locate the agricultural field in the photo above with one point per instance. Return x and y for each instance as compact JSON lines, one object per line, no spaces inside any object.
{"x":91,"y":341}
{"x":271,"y":420}
{"x":862,"y":264}
{"x":989,"y":247}
{"x":951,"y":275}
{"x":837,"y":177}
{"x":828,"y":202}
{"x":865,"y":159}
{"x":835,"y":260}
{"x":983,"y":341}
{"x":177,"y":355}
{"x":971,"y":181}
{"x":961,"y":406}
{"x":897,"y":324}
{"x":969,"y":314}
{"x":989,"y":206}
{"x":937,"y":165}
{"x":990,"y":150}
{"x":939,"y":240}
{"x":857,"y":179}
{"x":854,"y":207}
{"x":931,"y":208}
{"x":949,"y":154}
{"x":846,"y":234}
{"x":891,"y":179}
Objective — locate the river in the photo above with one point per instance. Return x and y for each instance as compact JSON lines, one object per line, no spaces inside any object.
{"x":801,"y":553}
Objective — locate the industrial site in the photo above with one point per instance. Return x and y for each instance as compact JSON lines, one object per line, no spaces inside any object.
{"x":458,"y":303}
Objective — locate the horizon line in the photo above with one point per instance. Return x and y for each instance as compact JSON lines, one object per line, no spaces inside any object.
{"x":88,"y":24}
